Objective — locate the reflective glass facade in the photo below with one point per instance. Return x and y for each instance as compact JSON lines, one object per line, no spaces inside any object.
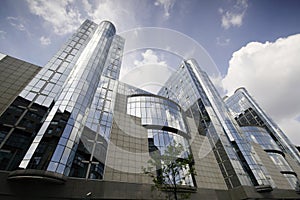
{"x":15,"y":136}
{"x":185,"y":88}
{"x":260,"y":129}
{"x":156,"y":111}
{"x":247,"y":112}
{"x":218,"y":126}
{"x":165,"y":126}
{"x":64,"y":99}
{"x":89,"y":161}
{"x":71,"y":107}
{"x":74,"y":118}
{"x":260,"y":136}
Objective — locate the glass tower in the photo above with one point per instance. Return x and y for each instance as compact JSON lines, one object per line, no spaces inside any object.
{"x":261,"y":129}
{"x":74,"y":118}
{"x":62,"y":97}
{"x":234,"y":155}
{"x":247,"y":112}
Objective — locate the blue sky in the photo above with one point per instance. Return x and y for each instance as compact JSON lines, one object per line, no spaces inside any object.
{"x":261,"y":21}
{"x":255,"y":43}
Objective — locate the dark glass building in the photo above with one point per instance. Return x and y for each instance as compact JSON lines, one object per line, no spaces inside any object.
{"x":15,"y":74}
{"x":72,"y":130}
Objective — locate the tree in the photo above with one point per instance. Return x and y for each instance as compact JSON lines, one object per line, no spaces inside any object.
{"x":171,"y":171}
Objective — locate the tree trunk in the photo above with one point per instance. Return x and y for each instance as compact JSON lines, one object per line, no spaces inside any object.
{"x":175,"y":186}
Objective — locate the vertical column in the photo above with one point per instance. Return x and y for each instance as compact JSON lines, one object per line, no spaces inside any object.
{"x":54,"y":147}
{"x":89,"y":161}
{"x":258,"y":172}
{"x":37,"y":98}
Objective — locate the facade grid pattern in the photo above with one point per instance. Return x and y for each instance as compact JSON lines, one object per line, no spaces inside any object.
{"x":74,"y":120}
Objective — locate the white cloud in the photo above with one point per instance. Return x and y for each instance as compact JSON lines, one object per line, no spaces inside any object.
{"x":221,"y":10}
{"x":149,"y":73}
{"x":120,"y":14}
{"x":234,"y":16}
{"x":230,"y":19}
{"x":166,"y":4}
{"x":217,"y":81}
{"x":17,"y":23}
{"x":222,"y":41}
{"x":270,"y":71}
{"x":241,"y":4}
{"x":61,"y":15}
{"x":66,"y":16}
{"x":2,"y":34}
{"x":45,"y":40}
{"x":149,"y":57}
{"x":291,"y":127}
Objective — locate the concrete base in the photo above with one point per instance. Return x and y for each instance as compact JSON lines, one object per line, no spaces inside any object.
{"x":34,"y":189}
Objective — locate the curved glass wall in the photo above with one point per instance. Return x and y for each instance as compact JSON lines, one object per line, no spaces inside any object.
{"x":162,"y":139}
{"x":156,"y":114}
{"x":191,"y":88}
{"x":280,"y":162}
{"x":244,"y":107}
{"x":89,"y":161}
{"x":159,"y":140}
{"x":37,"y":99}
{"x":292,"y":179}
{"x":156,"y":111}
{"x":60,"y":133}
{"x":260,"y":136}
{"x":258,"y":173}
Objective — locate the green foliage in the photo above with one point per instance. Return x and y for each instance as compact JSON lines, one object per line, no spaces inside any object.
{"x":166,"y":170}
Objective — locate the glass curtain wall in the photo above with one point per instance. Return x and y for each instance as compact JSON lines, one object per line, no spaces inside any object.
{"x":165,"y":125}
{"x":25,"y":116}
{"x":260,"y":136}
{"x":247,"y":112}
{"x":60,"y":132}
